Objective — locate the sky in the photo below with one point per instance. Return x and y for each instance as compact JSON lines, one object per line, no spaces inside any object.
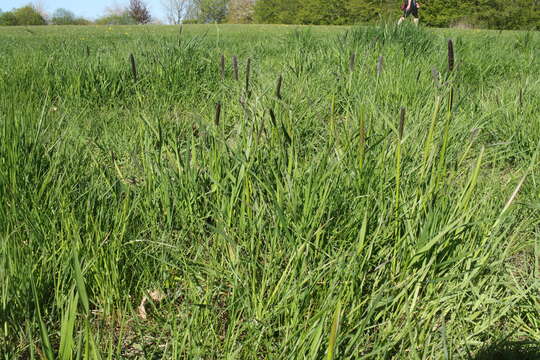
{"x":90,"y":9}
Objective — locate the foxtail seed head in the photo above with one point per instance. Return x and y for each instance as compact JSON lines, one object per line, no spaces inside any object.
{"x":450,"y":55}
{"x":248,"y":70}
{"x":218,"y":114}
{"x":133,"y":66}
{"x":401,"y":122}
{"x":235,"y":67}
{"x":278,"y":87}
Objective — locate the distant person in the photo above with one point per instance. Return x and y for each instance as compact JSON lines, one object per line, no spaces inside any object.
{"x":409,"y":7}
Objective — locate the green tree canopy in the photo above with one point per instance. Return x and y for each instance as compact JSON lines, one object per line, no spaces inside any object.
{"x":63,"y":17}
{"x":210,"y":11}
{"x":8,"y":18}
{"x":116,"y":19}
{"x":499,"y":14}
{"x":28,"y":15}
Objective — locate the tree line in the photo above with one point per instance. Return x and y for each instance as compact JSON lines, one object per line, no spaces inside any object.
{"x":492,"y":14}
{"x":135,"y":12}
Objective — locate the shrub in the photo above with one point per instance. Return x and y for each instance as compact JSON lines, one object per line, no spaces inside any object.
{"x":28,"y":15}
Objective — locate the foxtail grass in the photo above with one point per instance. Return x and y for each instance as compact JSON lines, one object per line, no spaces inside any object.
{"x":133,"y":67}
{"x":235,"y":67}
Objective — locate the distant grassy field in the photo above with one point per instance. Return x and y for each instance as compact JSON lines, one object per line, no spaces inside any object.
{"x":349,"y":197}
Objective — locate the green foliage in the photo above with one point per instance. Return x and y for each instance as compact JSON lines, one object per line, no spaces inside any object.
{"x":8,"y":18}
{"x":496,"y":14}
{"x":190,"y":21}
{"x":63,"y":17}
{"x":211,"y":11}
{"x":26,"y":15}
{"x":66,"y":17}
{"x":116,"y":19}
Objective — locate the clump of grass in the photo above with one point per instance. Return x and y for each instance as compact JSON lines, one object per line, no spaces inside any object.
{"x":351,"y":229}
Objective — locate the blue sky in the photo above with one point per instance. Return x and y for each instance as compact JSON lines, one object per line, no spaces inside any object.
{"x":90,"y":9}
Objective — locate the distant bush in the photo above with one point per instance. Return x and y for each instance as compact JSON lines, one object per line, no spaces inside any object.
{"x":492,"y":14}
{"x":190,"y":21}
{"x":66,"y":17}
{"x":26,"y":15}
{"x":8,"y":18}
{"x":116,"y":19}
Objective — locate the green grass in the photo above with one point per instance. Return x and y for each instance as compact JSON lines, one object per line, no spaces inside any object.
{"x":300,"y":228}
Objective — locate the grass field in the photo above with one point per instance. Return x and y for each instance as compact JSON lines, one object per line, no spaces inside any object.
{"x":377,"y":206}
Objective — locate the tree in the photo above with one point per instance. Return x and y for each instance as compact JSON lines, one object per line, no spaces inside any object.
{"x":121,"y":19}
{"x":39,"y":6}
{"x":323,"y":12}
{"x":8,"y":19}
{"x":63,"y":17}
{"x":209,"y":11}
{"x":277,"y":11}
{"x":116,"y":15}
{"x":241,"y":11}
{"x":138,"y":10}
{"x":28,"y":15}
{"x":178,"y":10}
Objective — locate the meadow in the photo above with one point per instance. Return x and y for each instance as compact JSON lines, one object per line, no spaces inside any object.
{"x":333,"y":193}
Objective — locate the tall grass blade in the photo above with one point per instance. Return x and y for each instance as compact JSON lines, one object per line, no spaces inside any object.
{"x":79,"y":282}
{"x":380,"y":65}
{"x":436,"y":77}
{"x":67,"y":327}
{"x":332,"y":340}
{"x":44,"y":335}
